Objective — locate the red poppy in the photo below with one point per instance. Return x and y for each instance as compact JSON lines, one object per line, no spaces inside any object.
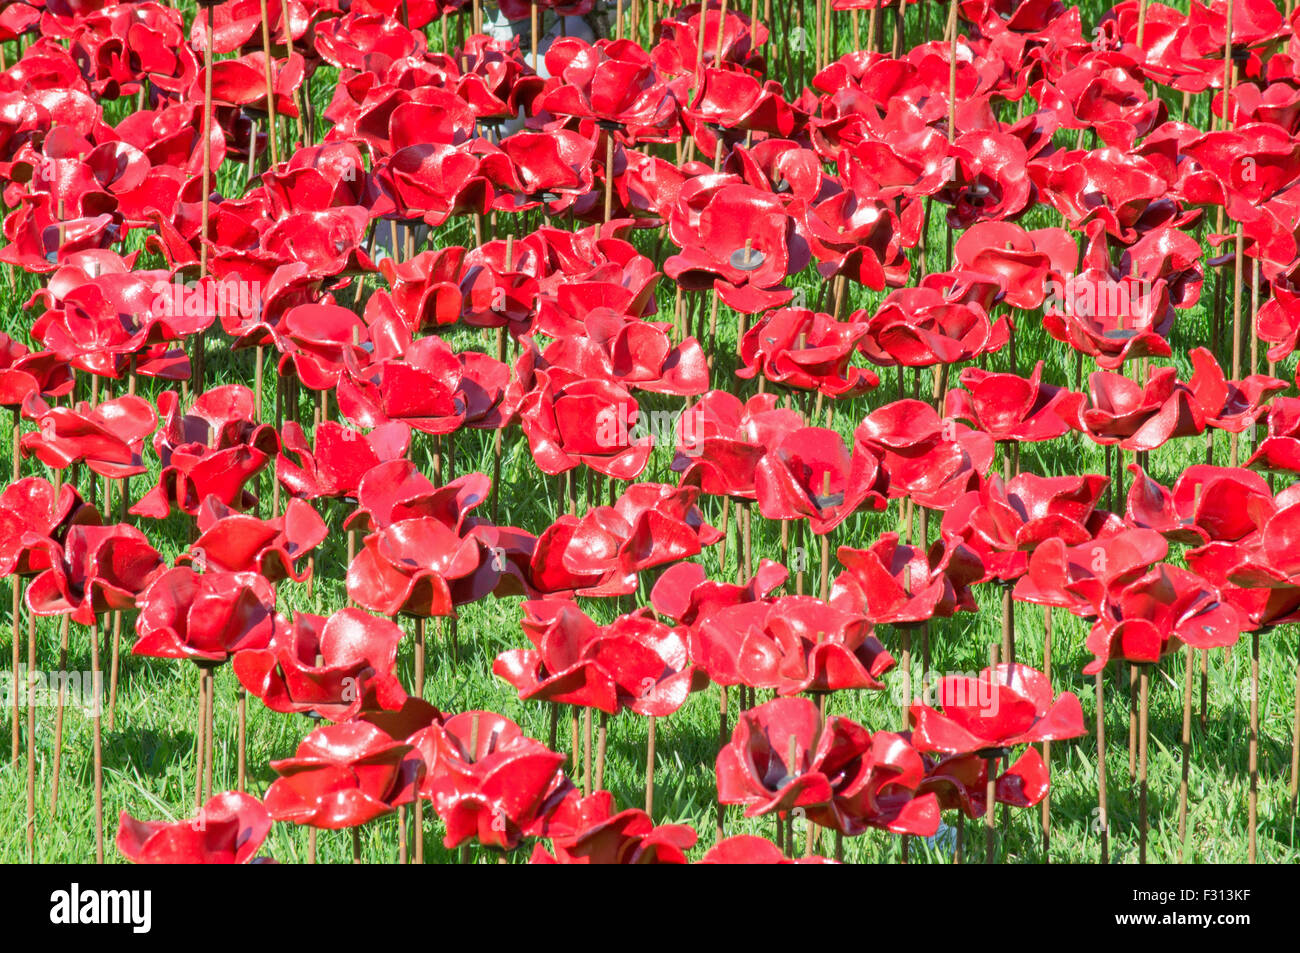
{"x":1004,"y":522}
{"x":685,"y":593}
{"x":898,"y":584}
{"x":24,"y":372}
{"x":793,"y":644}
{"x":922,"y":326}
{"x":1225,"y":504}
{"x":32,"y":511}
{"x":229,"y":829}
{"x":420,"y":567}
{"x":929,"y":459}
{"x":213,"y":450}
{"x":342,"y":776}
{"x":811,"y":474}
{"x":1077,"y":578}
{"x":1152,"y":616}
{"x":95,"y":569}
{"x":586,"y":422}
{"x":738,"y":240}
{"x":1280,"y":450}
{"x":1023,"y":262}
{"x":1012,"y":408}
{"x":1004,"y":706}
{"x":340,"y":459}
{"x":333,"y":667}
{"x":109,"y":437}
{"x":634,"y":662}
{"x":960,"y":782}
{"x":239,"y":542}
{"x":806,"y":350}
{"x":1140,"y":418}
{"x":612,"y":82}
{"x":589,"y":831}
{"x":720,"y":441}
{"x":782,"y":756}
{"x":204,"y":617}
{"x":490,"y":782}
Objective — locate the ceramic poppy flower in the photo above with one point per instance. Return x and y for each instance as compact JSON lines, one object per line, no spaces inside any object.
{"x":1004,"y":522}
{"x":1140,"y":418}
{"x":680,"y":41}
{"x":112,"y":318}
{"x":614,"y":83}
{"x":1012,"y":408}
{"x":751,"y":849}
{"x":1112,"y":320}
{"x":204,"y":617}
{"x":32,"y":510}
{"x":334,"y":667}
{"x":782,"y":756}
{"x":552,"y":168}
{"x":589,"y":831}
{"x":1279,"y":451}
{"x":1157,"y":613}
{"x":229,"y":829}
{"x":397,"y":490}
{"x":685,"y":593}
{"x":1113,"y":187}
{"x":24,"y":372}
{"x":1278,"y":322}
{"x":429,"y":386}
{"x":896,"y":584}
{"x":586,"y":422}
{"x":811,"y":474}
{"x":422,"y":567}
{"x":340,"y":459}
{"x":634,"y":662}
{"x":498,"y":292}
{"x":238,"y":542}
{"x":108,"y":438}
{"x":922,"y":326}
{"x":1077,"y":578}
{"x":1223,"y":504}
{"x":343,"y":776}
{"x":806,"y":350}
{"x":636,"y":354}
{"x":601,"y":554}
{"x":855,"y":234}
{"x":328,"y":242}
{"x":1003,"y":706}
{"x":560,"y":668}
{"x":793,"y":644}
{"x":488,"y":781}
{"x":318,"y":343}
{"x":1228,"y":405}
{"x":1254,"y":573}
{"x":242,"y":82}
{"x":424,"y":290}
{"x":988,"y":178}
{"x":960,"y":782}
{"x":720,"y":441}
{"x":213,"y":450}
{"x":1022,"y":261}
{"x":95,"y":569}
{"x":1269,"y":153}
{"x":742,"y":242}
{"x":931,"y":460}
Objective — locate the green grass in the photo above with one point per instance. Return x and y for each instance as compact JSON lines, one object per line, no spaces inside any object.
{"x":148,"y":755}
